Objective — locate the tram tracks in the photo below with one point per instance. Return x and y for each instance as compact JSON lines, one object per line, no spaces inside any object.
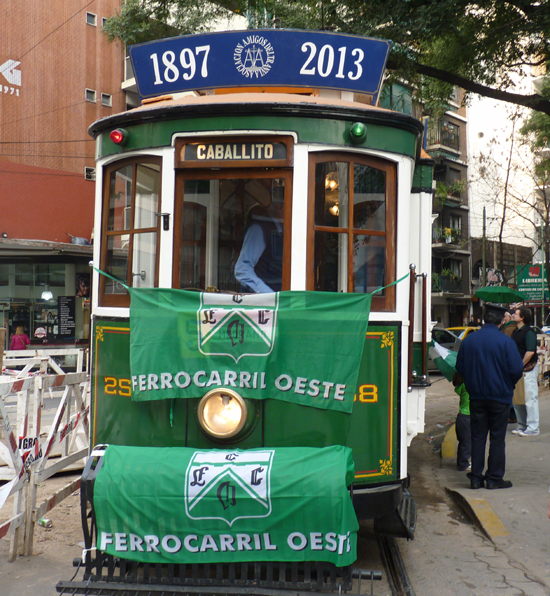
{"x":397,"y":576}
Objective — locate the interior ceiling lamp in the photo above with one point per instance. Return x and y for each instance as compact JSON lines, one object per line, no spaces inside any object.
{"x":46,"y":294}
{"x":335,"y":209}
{"x":331,"y":181}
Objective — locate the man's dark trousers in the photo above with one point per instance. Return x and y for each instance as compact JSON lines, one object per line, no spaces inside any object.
{"x":488,"y":416}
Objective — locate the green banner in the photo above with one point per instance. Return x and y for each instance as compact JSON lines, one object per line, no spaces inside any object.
{"x":178,"y":505}
{"x":301,"y":347}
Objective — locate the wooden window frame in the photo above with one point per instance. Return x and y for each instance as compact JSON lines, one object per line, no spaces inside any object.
{"x":228,"y":174}
{"x":123,"y":300}
{"x":384,"y":303}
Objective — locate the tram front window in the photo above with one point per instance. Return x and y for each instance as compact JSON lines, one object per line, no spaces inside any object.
{"x":232,"y":233}
{"x":353,"y":219}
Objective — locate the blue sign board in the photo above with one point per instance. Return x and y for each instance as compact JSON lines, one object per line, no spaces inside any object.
{"x":265,"y":57}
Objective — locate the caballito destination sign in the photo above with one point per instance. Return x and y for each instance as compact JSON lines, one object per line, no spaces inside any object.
{"x":264,"y":57}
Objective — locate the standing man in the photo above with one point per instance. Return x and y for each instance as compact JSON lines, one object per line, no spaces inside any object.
{"x":508,"y":326}
{"x":526,"y":341}
{"x":491,"y":366}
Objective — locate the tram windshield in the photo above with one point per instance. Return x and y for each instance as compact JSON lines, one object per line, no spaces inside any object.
{"x":232,"y":232}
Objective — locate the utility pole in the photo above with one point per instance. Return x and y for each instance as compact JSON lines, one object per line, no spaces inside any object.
{"x":483,"y":251}
{"x":543,"y":270}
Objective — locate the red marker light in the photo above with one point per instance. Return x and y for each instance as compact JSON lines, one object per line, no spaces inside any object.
{"x":119,"y":136}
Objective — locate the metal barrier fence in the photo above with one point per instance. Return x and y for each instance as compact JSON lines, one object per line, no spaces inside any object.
{"x":28,"y":460}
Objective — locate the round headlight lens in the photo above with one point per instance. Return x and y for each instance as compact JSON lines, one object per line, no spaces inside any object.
{"x":222,"y":413}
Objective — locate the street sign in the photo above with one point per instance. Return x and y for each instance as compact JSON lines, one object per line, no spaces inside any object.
{"x":530,"y":282}
{"x":265,"y":57}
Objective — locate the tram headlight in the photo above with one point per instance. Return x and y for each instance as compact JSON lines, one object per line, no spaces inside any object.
{"x":222,"y":413}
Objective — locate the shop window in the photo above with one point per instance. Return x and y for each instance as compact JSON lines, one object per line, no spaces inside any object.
{"x":351,"y":226}
{"x":129,"y":252}
{"x":24,"y":275}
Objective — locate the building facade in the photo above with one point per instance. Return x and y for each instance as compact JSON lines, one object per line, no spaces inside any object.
{"x":58,"y":74}
{"x":446,"y":143}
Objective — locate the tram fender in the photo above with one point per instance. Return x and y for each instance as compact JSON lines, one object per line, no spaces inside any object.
{"x":401,"y":522}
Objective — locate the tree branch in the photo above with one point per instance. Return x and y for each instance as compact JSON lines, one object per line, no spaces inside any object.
{"x":534,"y":101}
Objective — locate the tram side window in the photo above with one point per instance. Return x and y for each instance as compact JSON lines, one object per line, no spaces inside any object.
{"x":352,"y":223}
{"x":231,"y":236}
{"x":130,"y":239}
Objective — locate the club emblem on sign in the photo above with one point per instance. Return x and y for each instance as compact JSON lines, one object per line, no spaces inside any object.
{"x":228,"y":485}
{"x":254,"y":56}
{"x":237,"y":325}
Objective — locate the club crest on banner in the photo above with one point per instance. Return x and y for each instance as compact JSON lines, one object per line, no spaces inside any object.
{"x":228,"y":485}
{"x":237,"y":325}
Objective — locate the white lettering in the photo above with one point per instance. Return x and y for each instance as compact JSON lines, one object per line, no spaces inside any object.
{"x":316,"y":540}
{"x":152,"y":543}
{"x":267,"y":543}
{"x":106,"y":538}
{"x":152,"y":382}
{"x":243,"y":542}
{"x":136,"y":543}
{"x":165,"y":381}
{"x":300,"y":385}
{"x":339,"y":392}
{"x":120,"y":542}
{"x":142,"y":382}
{"x":200,"y":151}
{"x":226,"y":543}
{"x":215,"y":379}
{"x":166,"y":544}
{"x":328,"y":386}
{"x":230,"y":378}
{"x":313,"y":388}
{"x":182,"y":384}
{"x":196,"y":376}
{"x":244,"y":379}
{"x":279,"y":383}
{"x":331,"y":542}
{"x":187,"y":543}
{"x":208,"y":542}
{"x":302,"y":544}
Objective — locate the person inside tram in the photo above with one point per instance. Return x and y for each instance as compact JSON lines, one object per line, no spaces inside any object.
{"x":259,"y":268}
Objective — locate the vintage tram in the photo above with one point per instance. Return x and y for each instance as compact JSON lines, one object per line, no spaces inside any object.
{"x":239,"y":197}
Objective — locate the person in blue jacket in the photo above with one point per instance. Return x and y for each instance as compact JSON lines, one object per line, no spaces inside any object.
{"x":491,"y":366}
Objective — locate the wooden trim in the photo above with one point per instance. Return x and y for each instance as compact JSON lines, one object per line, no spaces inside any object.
{"x":123,"y":300}
{"x":379,"y":303}
{"x":181,"y":142}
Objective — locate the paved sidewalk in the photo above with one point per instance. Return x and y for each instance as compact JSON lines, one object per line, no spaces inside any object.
{"x":515,"y":519}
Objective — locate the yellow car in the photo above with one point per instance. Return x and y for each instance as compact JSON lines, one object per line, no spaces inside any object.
{"x":462,"y":332}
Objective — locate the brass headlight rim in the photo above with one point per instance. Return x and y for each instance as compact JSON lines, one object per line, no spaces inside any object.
{"x":202,"y":421}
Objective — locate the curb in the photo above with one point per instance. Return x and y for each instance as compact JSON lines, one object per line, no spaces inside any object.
{"x":481,"y":513}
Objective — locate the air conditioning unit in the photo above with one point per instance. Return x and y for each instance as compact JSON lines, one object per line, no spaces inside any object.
{"x":89,"y":173}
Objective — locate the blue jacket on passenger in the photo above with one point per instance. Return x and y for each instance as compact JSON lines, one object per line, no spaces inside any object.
{"x":490,"y":363}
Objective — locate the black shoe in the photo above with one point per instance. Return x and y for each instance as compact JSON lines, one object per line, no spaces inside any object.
{"x":475,"y":484}
{"x":499,"y":484}
{"x":512,"y":420}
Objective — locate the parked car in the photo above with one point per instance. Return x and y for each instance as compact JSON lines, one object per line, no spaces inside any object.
{"x":445,"y":338}
{"x":462,"y":332}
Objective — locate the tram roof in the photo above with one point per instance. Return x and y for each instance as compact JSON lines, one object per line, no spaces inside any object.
{"x":272,"y":104}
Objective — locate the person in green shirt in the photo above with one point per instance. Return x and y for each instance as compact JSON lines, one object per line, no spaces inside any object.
{"x":463,"y":433}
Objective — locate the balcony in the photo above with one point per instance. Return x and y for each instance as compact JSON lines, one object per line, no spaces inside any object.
{"x":447,"y":236}
{"x":447,"y":284}
{"x":444,"y":134}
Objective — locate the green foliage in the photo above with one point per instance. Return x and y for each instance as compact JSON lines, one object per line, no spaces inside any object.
{"x":488,"y":42}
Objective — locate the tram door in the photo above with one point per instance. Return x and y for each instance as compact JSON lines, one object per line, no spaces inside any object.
{"x":233,"y":231}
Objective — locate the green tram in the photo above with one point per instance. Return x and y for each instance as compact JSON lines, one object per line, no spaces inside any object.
{"x":339,"y":192}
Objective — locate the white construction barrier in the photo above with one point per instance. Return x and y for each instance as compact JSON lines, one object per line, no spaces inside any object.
{"x":28,"y":460}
